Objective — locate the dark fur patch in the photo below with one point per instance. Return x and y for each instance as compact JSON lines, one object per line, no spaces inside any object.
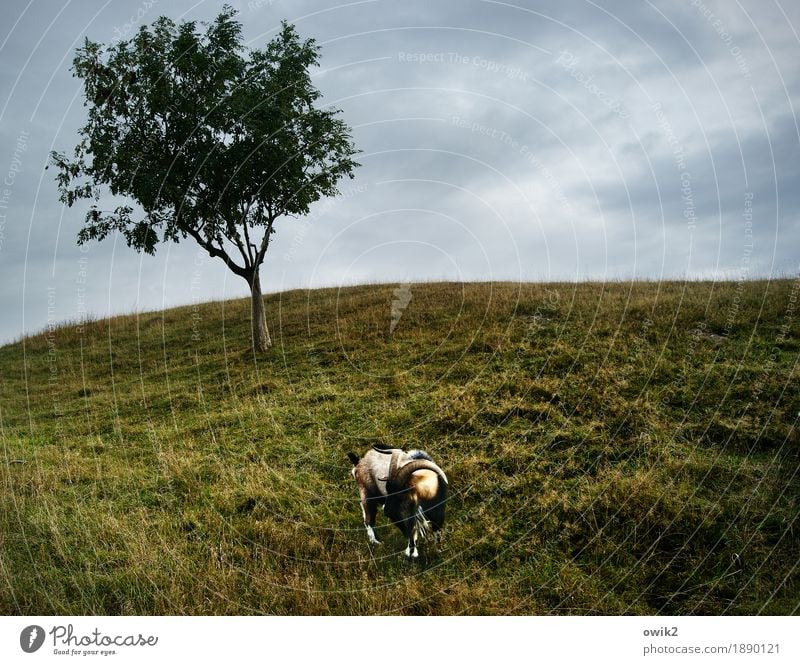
{"x":353,"y":458}
{"x":419,"y":454}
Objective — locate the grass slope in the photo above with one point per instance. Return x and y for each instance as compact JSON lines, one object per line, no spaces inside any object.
{"x":612,"y":448}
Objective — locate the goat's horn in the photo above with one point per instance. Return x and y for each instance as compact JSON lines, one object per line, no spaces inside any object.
{"x":393,"y":464}
{"x":399,"y":479}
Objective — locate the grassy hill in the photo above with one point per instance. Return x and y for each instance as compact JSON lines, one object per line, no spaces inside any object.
{"x":612,"y":448}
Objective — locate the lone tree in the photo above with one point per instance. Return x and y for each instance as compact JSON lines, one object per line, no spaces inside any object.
{"x":212,"y":140}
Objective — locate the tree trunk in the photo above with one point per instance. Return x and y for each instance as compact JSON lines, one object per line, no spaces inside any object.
{"x":261,"y":340}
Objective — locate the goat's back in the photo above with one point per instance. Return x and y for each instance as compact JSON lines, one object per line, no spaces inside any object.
{"x":372,"y":470}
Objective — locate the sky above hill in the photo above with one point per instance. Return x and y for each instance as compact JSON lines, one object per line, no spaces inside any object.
{"x":500,"y":141}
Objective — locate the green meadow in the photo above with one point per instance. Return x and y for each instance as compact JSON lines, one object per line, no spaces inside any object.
{"x":617,"y":448}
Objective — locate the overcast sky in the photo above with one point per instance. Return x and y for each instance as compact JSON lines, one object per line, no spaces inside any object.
{"x":512,"y":140}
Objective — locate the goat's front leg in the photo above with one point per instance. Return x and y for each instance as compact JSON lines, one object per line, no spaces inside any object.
{"x":369,"y":509}
{"x":411,"y":532}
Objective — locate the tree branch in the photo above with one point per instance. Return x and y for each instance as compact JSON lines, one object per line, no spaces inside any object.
{"x":218,"y":251}
{"x":237,"y":239}
{"x":250,"y":246}
{"x":262,"y":251}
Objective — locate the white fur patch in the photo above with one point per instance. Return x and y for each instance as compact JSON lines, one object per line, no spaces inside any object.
{"x":371,"y":536}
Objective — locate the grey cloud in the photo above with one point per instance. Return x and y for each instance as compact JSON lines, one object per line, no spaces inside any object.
{"x":520,"y":167}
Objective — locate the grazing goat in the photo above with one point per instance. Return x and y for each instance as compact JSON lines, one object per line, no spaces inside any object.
{"x":409,"y":486}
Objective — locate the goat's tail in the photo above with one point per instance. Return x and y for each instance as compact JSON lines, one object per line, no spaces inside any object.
{"x":353,"y":458}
